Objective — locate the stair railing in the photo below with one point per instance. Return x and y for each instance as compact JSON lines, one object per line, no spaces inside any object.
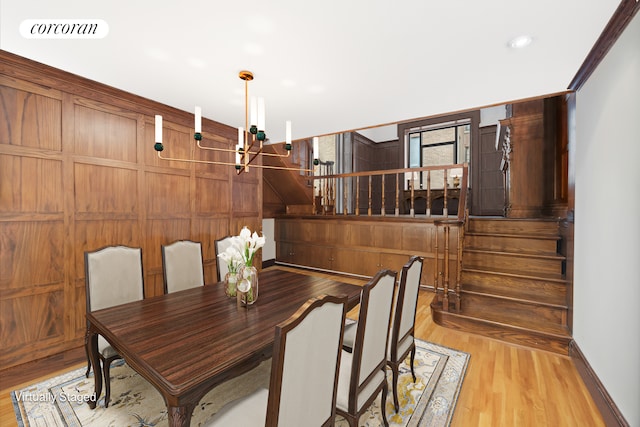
{"x":395,"y":191}
{"x":441,"y":276}
{"x":358,"y":197}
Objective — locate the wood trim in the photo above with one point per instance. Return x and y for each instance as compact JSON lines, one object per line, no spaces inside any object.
{"x":616,"y":25}
{"x":610,"y":412}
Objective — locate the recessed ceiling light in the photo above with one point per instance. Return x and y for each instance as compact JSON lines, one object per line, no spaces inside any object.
{"x":520,"y":42}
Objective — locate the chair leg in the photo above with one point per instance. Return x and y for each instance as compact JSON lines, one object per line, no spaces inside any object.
{"x":107,"y":382}
{"x":413,"y":356}
{"x":394,"y":369}
{"x":383,"y":405}
{"x":86,"y":374}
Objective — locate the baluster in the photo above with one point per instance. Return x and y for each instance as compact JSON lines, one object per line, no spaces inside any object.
{"x":382,"y":208}
{"x":369,"y":210}
{"x":445,"y":286}
{"x":445,"y":211}
{"x":397,"y":194}
{"x":313,"y":196}
{"x":326,"y":196}
{"x":435,"y":263}
{"x":334,"y":182}
{"x":412,"y":211}
{"x":344,"y":197}
{"x":428,"y":213}
{"x":357,"y":195}
{"x":459,"y":263}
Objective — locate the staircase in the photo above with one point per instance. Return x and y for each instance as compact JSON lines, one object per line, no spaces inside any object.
{"x":292,"y":189}
{"x":512,"y":284}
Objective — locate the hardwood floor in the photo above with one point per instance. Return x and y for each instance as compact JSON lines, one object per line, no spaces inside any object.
{"x":505,"y":384}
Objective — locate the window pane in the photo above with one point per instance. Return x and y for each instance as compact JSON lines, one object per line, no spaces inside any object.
{"x":434,"y":156}
{"x":439,"y":136}
{"x":414,"y":150}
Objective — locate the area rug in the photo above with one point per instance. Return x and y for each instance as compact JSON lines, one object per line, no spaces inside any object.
{"x":61,"y":400}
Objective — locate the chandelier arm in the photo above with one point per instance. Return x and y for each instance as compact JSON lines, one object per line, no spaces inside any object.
{"x":233,"y":150}
{"x":229,"y":150}
{"x":209,"y":162}
{"x":282,"y":168}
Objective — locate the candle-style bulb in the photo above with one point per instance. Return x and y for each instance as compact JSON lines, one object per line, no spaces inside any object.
{"x":198,"y":120}
{"x":158,"y":128}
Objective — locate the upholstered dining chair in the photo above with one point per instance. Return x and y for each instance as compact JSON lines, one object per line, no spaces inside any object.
{"x":221,"y":245}
{"x":304,"y":372}
{"x":401,"y":334}
{"x":113,"y":276}
{"x":182,"y":265}
{"x":363,"y":371}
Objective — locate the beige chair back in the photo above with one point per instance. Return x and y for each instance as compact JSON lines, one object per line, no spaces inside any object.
{"x":221,"y":267}
{"x":113,"y":276}
{"x":407,"y":299}
{"x":373,"y":324}
{"x":306,"y":358}
{"x":182,"y":266}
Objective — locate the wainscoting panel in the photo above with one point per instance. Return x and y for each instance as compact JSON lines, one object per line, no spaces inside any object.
{"x":30,"y":257}
{"x":78,"y":172}
{"x":103,"y":134}
{"x":102,"y":189}
{"x":34,"y":116}
{"x":38,"y":189}
{"x":167,"y":194}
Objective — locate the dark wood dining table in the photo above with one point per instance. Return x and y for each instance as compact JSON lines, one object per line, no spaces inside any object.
{"x":187,"y":342}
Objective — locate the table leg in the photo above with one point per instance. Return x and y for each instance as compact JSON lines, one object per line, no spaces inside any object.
{"x":180,"y":416}
{"x":91,"y":345}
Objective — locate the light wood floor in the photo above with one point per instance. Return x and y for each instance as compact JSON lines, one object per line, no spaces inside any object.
{"x":505,"y":385}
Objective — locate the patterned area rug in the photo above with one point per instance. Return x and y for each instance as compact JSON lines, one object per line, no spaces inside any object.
{"x":61,"y":401}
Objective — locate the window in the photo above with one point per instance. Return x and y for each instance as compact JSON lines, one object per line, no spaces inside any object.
{"x":441,"y":144}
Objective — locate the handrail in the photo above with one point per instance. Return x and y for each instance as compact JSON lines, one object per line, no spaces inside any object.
{"x":329,"y":184}
{"x":387,"y":181}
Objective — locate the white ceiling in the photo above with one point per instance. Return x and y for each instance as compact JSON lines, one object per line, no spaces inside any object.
{"x":328,"y":66}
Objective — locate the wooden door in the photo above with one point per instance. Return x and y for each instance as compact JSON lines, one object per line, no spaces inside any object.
{"x":487,"y":181}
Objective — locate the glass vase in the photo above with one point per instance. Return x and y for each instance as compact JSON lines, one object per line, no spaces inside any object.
{"x":230,"y":281}
{"x":248,"y":284}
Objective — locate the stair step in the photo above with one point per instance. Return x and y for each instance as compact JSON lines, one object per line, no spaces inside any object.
{"x":508,"y":273}
{"x":550,"y":288}
{"x":557,"y":342}
{"x":542,"y":292}
{"x":528,"y":243}
{"x":513,"y":226}
{"x":536,"y":316}
{"x":525,"y":262}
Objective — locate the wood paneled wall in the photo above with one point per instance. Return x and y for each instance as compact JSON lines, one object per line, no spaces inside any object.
{"x":78,"y":172}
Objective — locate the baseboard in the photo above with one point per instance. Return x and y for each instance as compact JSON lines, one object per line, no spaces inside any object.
{"x":268,"y":263}
{"x":608,"y":409}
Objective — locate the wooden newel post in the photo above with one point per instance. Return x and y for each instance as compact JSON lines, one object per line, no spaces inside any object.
{"x":435,"y":265}
{"x":459,"y":264}
{"x":445,"y":286}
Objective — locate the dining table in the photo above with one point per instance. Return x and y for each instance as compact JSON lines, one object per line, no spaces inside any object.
{"x":186,"y":343}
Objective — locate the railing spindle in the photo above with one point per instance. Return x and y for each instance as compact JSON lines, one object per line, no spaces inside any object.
{"x":382,"y":207}
{"x":345,"y":208}
{"x":397,"y":194}
{"x":428,"y":194}
{"x":370,"y":189}
{"x":445,"y":211}
{"x":357,"y":195}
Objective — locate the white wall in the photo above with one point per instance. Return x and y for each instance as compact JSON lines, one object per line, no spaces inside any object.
{"x":269,"y":248}
{"x":607,"y":228}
